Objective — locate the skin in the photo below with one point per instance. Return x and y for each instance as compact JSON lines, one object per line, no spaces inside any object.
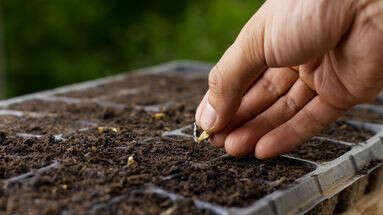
{"x":295,"y":67}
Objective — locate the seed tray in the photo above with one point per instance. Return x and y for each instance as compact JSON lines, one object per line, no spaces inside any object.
{"x":340,"y":174}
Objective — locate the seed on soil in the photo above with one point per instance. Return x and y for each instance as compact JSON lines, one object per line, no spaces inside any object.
{"x":168,"y":211}
{"x":131,"y":161}
{"x":159,"y":116}
{"x":102,"y":129}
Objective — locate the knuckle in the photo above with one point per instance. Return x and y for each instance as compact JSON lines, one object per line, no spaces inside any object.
{"x":269,"y":124}
{"x":216,"y":80}
{"x":371,"y":14}
{"x":270,"y":87}
{"x":249,"y":51}
{"x":218,"y":85}
{"x":316,"y":123}
{"x":289,"y":104}
{"x":251,"y":45}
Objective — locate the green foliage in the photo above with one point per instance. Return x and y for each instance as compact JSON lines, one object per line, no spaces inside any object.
{"x":51,"y":43}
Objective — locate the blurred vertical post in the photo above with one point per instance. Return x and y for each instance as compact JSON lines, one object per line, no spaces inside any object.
{"x":2,"y":51}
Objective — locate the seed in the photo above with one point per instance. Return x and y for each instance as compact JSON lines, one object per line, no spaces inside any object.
{"x":159,"y":116}
{"x":94,"y":148}
{"x":54,"y":190}
{"x":102,"y":129}
{"x":203,"y":136}
{"x":115,"y":130}
{"x":131,"y":161}
{"x":169,"y":211}
{"x":200,"y":135}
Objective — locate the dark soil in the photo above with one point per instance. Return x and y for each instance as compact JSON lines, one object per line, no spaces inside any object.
{"x":378,"y":101}
{"x":320,"y":150}
{"x":98,"y":144}
{"x":166,"y":89}
{"x":42,"y":125}
{"x":365,"y":115}
{"x":94,"y":168}
{"x":343,"y":131}
{"x":234,"y":181}
{"x":75,"y":116}
{"x":131,"y":203}
{"x":38,"y":105}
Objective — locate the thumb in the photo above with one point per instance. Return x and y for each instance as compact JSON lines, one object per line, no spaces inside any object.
{"x":281,"y":34}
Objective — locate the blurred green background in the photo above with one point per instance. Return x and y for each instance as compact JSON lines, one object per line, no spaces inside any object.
{"x":51,"y":43}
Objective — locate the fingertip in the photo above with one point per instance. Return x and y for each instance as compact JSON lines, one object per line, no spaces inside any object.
{"x":269,"y":146}
{"x":261,"y":151}
{"x":273,"y":144}
{"x":236,"y":144}
{"x":218,"y":140}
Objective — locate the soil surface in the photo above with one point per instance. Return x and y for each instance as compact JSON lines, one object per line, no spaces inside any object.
{"x":239,"y":180}
{"x":132,"y":90}
{"x":318,"y":150}
{"x":365,"y":115}
{"x":346,"y":132}
{"x":99,"y":153}
{"x":94,"y":167}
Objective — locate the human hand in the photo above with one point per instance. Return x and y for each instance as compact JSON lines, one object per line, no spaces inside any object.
{"x":293,"y":69}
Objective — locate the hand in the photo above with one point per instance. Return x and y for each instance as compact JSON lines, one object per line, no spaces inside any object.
{"x":293,"y":69}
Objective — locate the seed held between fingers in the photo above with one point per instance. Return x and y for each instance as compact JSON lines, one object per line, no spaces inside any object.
{"x":200,"y":135}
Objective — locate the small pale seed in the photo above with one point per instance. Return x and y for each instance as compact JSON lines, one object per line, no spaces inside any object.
{"x":131,"y":161}
{"x":159,"y":116}
{"x":203,"y":136}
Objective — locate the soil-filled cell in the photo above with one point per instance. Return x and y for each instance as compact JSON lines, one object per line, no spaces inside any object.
{"x":147,"y":203}
{"x":343,"y":131}
{"x":235,"y":181}
{"x":318,"y":150}
{"x":42,"y":125}
{"x":144,"y":90}
{"x":365,"y":115}
{"x":57,"y":107}
{"x":18,"y":156}
{"x":96,"y":202}
{"x":173,"y":116}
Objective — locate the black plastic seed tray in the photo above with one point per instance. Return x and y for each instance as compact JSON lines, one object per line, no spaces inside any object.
{"x":330,"y":176}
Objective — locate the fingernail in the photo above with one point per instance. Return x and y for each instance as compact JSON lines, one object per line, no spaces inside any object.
{"x":208,"y":117}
